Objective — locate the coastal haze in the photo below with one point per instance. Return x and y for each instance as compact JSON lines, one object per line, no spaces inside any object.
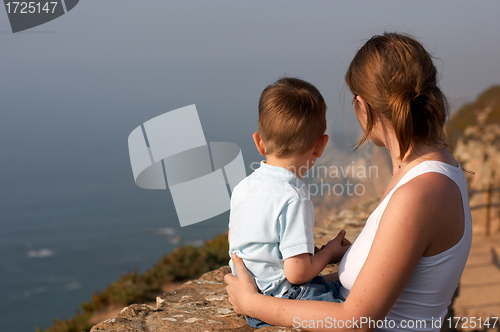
{"x":71,"y":91}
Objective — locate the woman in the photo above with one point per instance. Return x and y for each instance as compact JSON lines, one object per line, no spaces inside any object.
{"x":402,"y":270}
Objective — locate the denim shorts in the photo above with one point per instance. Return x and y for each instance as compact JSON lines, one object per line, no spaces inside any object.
{"x":316,"y":289}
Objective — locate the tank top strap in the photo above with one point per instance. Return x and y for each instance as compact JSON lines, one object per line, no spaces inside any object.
{"x":434,"y":166}
{"x":453,"y":172}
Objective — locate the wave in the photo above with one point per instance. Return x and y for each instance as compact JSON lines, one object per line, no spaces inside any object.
{"x":40,"y":253}
{"x":34,"y":291}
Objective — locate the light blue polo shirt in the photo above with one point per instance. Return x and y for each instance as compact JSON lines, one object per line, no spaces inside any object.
{"x":271,"y":219}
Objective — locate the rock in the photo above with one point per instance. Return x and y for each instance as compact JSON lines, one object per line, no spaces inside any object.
{"x":202,"y":304}
{"x":478,"y":151}
{"x":475,"y":134}
{"x":198,"y":305}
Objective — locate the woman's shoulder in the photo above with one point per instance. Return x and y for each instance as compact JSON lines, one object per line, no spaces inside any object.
{"x":424,"y":193}
{"x":432,"y":181}
{"x":430,"y":204}
{"x":430,"y":187}
{"x":427,"y":188}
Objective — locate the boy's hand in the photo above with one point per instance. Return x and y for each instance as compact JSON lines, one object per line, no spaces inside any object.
{"x":337,"y":247}
{"x":345,"y":242}
{"x":303,"y":267}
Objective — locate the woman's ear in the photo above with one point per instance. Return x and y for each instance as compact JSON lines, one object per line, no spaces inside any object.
{"x":361,"y":104}
{"x":259,"y":143}
{"x":361,"y":110}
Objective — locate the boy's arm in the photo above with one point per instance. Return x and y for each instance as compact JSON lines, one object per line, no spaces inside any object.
{"x":301,"y":268}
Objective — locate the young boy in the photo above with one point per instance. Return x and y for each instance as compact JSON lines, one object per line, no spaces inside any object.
{"x":271,"y":219}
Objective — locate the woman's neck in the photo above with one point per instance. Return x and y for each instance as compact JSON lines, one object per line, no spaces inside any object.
{"x":420,"y":153}
{"x":415,"y":154}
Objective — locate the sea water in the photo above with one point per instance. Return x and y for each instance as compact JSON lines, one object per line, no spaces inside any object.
{"x":58,"y":246}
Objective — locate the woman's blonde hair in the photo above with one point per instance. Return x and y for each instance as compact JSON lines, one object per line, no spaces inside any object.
{"x":395,"y":76}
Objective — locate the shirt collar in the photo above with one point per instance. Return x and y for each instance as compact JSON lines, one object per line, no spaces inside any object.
{"x":281,"y":174}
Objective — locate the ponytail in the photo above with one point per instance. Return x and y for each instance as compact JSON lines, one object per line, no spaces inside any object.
{"x":402,"y":121}
{"x":395,"y":75}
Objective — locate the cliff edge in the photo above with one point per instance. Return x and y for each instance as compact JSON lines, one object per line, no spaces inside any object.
{"x":202,"y":304}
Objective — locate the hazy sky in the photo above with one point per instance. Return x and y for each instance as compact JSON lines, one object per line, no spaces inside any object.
{"x":73,"y":89}
{"x":86,"y":79}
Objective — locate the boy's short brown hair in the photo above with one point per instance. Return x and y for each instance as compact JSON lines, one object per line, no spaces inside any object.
{"x":291,"y":116}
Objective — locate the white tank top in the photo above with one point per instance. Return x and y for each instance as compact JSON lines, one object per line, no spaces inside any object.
{"x":428,"y":293}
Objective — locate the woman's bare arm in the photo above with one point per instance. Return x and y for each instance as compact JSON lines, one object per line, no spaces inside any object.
{"x":403,"y":235}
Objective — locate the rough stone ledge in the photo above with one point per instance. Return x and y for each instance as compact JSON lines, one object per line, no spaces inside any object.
{"x":202,"y":305}
{"x":199,"y":305}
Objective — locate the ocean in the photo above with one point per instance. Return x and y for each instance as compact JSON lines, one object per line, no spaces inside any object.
{"x":59,"y":247}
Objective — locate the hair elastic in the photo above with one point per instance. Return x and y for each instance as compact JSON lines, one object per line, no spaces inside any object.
{"x":418,"y":102}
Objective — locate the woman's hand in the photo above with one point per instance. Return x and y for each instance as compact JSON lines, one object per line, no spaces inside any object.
{"x":240,"y":289}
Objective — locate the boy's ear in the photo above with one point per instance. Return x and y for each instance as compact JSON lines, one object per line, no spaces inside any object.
{"x":320,"y":146}
{"x":258,"y":143}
